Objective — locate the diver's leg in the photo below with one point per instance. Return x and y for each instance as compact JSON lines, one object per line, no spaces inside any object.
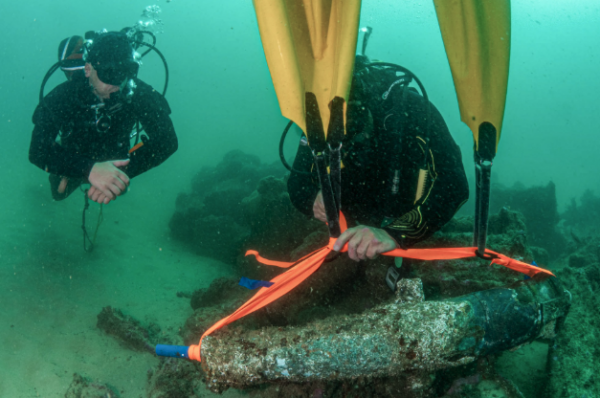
{"x":62,"y":187}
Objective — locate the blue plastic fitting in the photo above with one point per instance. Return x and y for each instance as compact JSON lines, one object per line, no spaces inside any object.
{"x":174,"y":351}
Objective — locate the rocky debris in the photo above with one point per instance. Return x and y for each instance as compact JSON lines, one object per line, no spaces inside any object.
{"x":215,"y":236}
{"x":277,"y":228}
{"x":84,"y":387}
{"x":219,"y":291}
{"x":407,"y":385}
{"x":469,"y":382}
{"x":481,"y":379}
{"x":129,"y":331}
{"x":175,"y":378}
{"x":584,"y":252}
{"x":584,"y":217}
{"x":210,"y":217}
{"x":525,"y":367}
{"x":460,"y":230}
{"x":539,"y":208}
{"x":532,"y":201}
{"x":476,"y":387}
{"x":574,"y":356}
{"x":240,"y":204}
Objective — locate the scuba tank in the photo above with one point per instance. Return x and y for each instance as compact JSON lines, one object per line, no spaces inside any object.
{"x":70,"y":56}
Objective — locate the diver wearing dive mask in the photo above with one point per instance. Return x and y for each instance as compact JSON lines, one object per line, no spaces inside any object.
{"x":82,"y":128}
{"x":110,"y":65}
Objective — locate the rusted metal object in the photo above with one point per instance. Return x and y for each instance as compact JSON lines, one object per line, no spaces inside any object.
{"x":409,"y":334}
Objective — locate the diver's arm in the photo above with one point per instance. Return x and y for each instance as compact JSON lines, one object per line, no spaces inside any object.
{"x":448,"y":192}
{"x":48,"y":155}
{"x":302,"y":188}
{"x":153,"y":112}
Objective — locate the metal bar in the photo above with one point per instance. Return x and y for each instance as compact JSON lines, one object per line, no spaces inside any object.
{"x":331,"y":210}
{"x":477,"y":206}
{"x":335,"y":175}
{"x":484,"y":171}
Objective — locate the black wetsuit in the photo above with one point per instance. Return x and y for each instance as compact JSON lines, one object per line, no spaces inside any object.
{"x":377,"y":131}
{"x":66,"y":142}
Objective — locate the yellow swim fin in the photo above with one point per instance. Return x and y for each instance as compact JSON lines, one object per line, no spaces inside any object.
{"x":310,"y":48}
{"x":476,"y":35}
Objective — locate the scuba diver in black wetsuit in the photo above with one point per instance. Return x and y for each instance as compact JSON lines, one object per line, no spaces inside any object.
{"x":402,"y":176}
{"x":83,"y":127}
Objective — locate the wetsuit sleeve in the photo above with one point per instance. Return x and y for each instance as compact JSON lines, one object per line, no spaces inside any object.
{"x":303,"y":188}
{"x":46,"y":153}
{"x":446,"y":188}
{"x":153,"y":112}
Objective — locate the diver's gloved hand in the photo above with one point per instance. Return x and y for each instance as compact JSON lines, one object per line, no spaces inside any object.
{"x":319,"y":208}
{"x":107,"y":181}
{"x":365,"y":242}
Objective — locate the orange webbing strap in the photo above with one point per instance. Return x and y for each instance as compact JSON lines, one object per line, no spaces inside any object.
{"x":136,"y":147}
{"x":282,"y":284}
{"x":308,"y":264}
{"x":283,"y":264}
{"x":262,"y":260}
{"x":455,"y":253}
{"x":516,"y":265}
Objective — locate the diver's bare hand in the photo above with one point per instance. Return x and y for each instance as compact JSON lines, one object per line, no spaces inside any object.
{"x":365,"y":242}
{"x":319,"y":208}
{"x":108,"y":179}
{"x":97,"y":196}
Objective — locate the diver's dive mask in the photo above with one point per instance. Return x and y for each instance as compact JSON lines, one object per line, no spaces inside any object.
{"x":117,"y":75}
{"x":112,"y":56}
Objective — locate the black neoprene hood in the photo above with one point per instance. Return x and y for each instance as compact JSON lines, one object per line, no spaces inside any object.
{"x":111,"y":55}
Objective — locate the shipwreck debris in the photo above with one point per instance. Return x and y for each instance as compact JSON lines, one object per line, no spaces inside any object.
{"x":409,"y":335}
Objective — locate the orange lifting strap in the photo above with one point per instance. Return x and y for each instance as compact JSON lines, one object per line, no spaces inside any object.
{"x":307,"y":265}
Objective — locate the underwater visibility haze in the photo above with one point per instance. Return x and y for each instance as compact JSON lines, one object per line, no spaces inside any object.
{"x":166,"y":252}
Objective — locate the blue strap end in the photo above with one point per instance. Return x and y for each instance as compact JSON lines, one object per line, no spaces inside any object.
{"x":173,"y":351}
{"x":254,"y":284}
{"x":535,"y":265}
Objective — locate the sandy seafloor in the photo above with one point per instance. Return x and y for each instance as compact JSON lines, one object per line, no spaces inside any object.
{"x":51,"y":290}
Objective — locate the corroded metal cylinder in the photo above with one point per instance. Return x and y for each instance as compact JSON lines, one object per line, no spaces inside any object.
{"x":408,"y":334}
